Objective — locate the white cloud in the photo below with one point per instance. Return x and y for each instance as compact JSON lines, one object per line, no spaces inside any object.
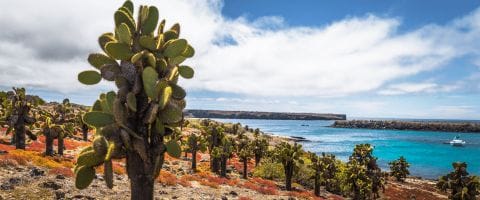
{"x":47,"y":45}
{"x":404,"y":88}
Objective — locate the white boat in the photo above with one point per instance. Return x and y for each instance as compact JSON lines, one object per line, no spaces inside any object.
{"x":457,"y":141}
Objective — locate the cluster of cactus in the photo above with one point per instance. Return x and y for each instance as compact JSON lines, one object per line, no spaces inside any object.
{"x":18,"y":110}
{"x":290,"y":157}
{"x":461,"y":185}
{"x":399,"y":169}
{"x":364,"y":177}
{"x":138,"y":120}
{"x":195,"y":143}
{"x":223,"y":152}
{"x":57,"y":124}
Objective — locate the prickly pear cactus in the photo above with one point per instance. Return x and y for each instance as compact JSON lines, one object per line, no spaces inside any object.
{"x":19,"y":110}
{"x":58,"y":123}
{"x":145,"y":60}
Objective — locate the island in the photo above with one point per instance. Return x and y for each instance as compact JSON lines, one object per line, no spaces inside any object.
{"x":222,"y":114}
{"x":467,"y":127}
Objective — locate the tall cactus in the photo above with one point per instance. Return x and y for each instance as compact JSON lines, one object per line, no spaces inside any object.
{"x":244,"y":152}
{"x":215,"y":136}
{"x":19,"y":115}
{"x":195,"y":143}
{"x":364,"y":177}
{"x":317,"y":166}
{"x":290,"y":156}
{"x":137,"y":121}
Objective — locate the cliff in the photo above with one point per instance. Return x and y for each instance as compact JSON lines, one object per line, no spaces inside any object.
{"x":406,"y":125}
{"x":261,"y":115}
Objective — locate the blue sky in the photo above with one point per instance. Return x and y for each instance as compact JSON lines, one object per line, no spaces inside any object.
{"x":407,"y":59}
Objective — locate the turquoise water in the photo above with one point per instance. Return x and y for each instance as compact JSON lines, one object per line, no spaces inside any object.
{"x":424,"y":150}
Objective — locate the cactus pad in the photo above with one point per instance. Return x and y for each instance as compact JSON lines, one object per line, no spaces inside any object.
{"x":98,"y":119}
{"x":175,"y":48}
{"x":186,"y":71}
{"x":132,"y":101}
{"x":108,"y":173}
{"x":173,"y":149}
{"x":89,"y":77}
{"x":98,"y":60}
{"x":150,"y":77}
{"x":124,"y":34}
{"x":119,"y":51}
{"x":151,"y":21}
{"x":84,"y":177}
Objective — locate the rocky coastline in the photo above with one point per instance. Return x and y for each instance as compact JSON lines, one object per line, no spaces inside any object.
{"x":466,"y":127}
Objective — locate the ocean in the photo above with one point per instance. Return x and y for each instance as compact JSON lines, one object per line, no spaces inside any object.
{"x":426,"y":152}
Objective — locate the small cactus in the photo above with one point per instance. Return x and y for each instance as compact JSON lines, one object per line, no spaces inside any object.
{"x":399,"y":168}
{"x":139,"y":121}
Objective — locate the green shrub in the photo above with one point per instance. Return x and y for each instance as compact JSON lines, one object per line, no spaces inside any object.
{"x":269,"y":170}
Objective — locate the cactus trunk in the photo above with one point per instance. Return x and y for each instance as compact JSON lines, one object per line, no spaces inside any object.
{"x":215,"y":165}
{"x":245,"y":168}
{"x":317,"y":183}
{"x":288,"y":175}
{"x":60,"y":146}
{"x":48,"y":143}
{"x":20,"y":133}
{"x":141,"y":181}
{"x":85,"y":132}
{"x":257,"y":159}
{"x":223,"y":165}
{"x":194,"y":159}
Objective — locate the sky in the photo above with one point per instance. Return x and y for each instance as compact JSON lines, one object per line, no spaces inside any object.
{"x":363,"y":58}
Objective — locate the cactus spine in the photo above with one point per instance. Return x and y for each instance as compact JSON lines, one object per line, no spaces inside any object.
{"x":137,"y":121}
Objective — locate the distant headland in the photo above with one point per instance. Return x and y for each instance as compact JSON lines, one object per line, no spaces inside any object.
{"x":221,"y":114}
{"x":410,"y":125}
